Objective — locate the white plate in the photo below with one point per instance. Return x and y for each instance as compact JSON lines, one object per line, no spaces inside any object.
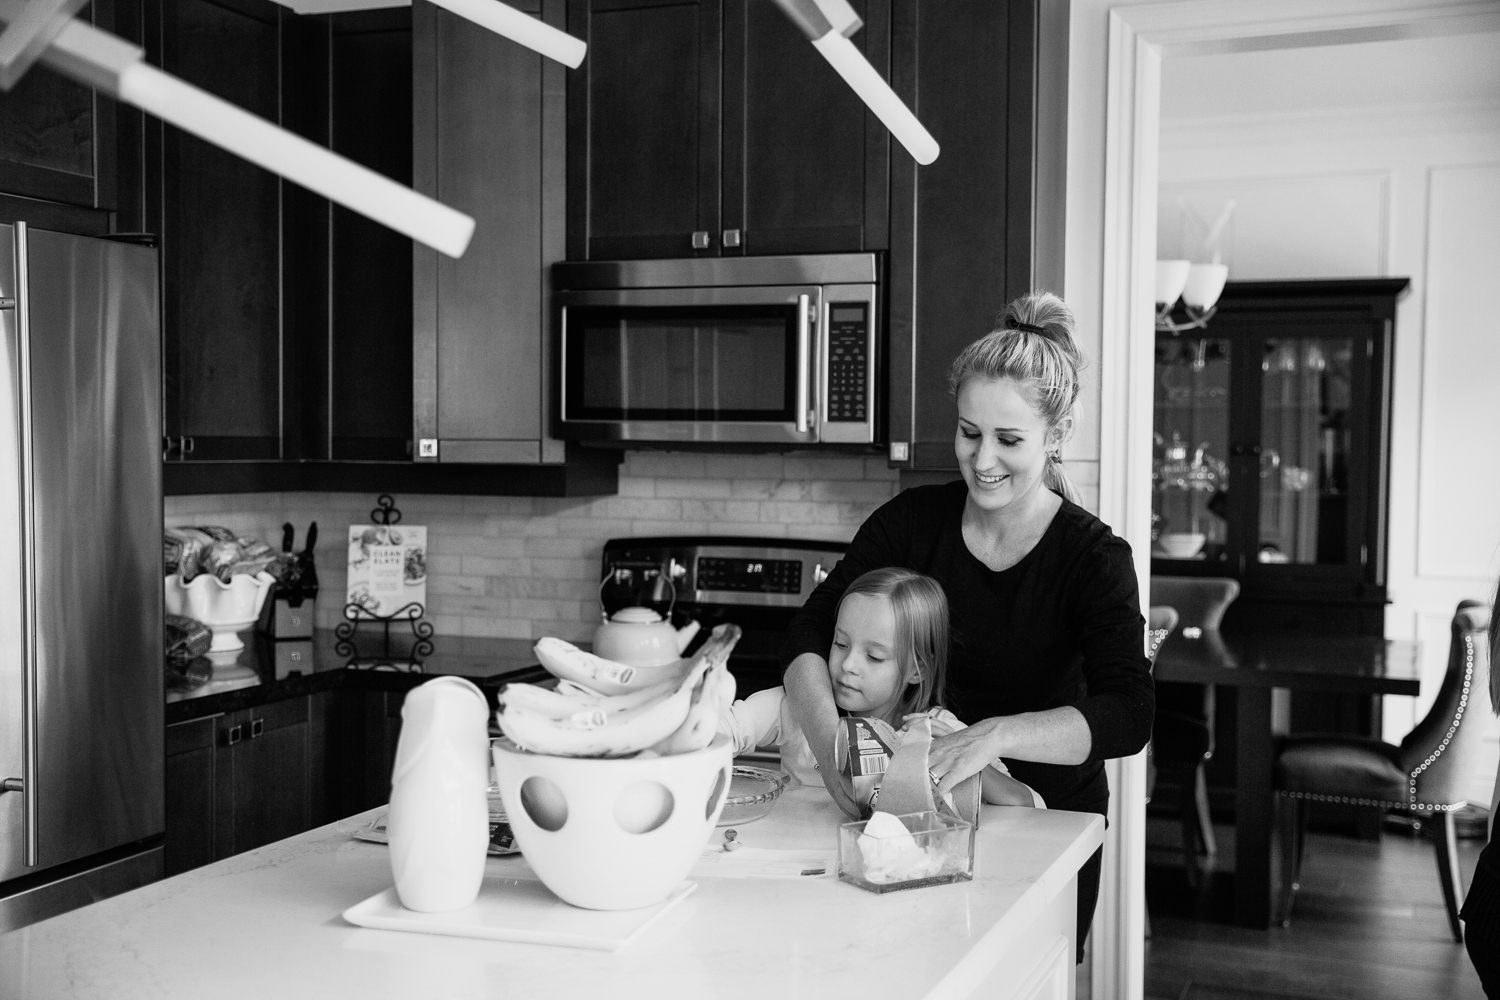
{"x":517,"y":910}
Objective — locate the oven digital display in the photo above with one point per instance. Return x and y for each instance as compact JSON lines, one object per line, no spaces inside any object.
{"x":761,"y":576}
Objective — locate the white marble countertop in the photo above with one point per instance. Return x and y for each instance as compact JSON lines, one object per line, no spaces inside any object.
{"x":268,"y":924}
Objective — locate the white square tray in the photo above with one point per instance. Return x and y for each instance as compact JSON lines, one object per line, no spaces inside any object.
{"x":511,"y":909}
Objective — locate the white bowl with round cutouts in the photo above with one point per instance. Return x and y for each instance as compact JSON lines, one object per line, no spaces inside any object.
{"x":612,"y":833}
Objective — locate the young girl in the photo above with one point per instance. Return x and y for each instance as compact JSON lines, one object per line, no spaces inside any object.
{"x":888,"y":662}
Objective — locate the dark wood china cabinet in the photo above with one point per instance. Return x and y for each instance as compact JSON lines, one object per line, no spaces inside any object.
{"x":1271,"y":457}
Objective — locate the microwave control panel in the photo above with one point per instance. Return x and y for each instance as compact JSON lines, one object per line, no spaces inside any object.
{"x":848,"y":362}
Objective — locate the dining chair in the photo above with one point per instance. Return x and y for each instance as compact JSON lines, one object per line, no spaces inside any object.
{"x":1182,"y":735}
{"x":1422,"y":777}
{"x":1161,"y":621}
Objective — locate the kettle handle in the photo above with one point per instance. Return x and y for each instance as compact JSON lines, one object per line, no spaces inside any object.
{"x":665,"y":574}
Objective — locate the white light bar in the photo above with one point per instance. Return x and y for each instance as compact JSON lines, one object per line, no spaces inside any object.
{"x":878,"y":96}
{"x":31,"y":28}
{"x":519,"y":27}
{"x":827,"y":23}
{"x":502,"y":19}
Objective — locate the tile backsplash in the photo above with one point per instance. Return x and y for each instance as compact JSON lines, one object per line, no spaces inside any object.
{"x":525,"y":567}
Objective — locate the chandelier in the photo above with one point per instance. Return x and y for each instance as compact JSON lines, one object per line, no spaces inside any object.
{"x":1198,"y":286}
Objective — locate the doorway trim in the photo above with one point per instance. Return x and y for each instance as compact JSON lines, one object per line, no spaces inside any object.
{"x":1139,"y":37}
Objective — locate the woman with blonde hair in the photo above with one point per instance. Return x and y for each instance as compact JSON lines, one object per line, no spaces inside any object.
{"x":1047,"y":665}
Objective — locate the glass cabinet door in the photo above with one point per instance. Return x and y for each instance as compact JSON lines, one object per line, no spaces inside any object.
{"x":1190,"y":475}
{"x":1305,"y":447}
{"x":1271,"y":450}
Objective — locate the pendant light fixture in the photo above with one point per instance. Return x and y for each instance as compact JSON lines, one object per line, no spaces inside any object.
{"x":828,"y":25}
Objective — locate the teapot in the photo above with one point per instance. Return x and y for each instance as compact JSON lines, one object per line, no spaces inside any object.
{"x":641,"y":638}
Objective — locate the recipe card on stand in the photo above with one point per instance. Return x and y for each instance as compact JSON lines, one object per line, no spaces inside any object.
{"x":387,"y":568}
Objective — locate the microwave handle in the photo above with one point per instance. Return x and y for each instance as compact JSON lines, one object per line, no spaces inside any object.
{"x":804,"y":307}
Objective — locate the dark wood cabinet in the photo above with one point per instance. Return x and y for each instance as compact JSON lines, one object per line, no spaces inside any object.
{"x":244,"y":779}
{"x":372,"y":732}
{"x":287,"y":319}
{"x":60,"y":146}
{"x":712,"y":127}
{"x":491,"y":145}
{"x":300,"y":352}
{"x":348,"y":314}
{"x":190,"y":795}
{"x":962,"y":228}
{"x":220,"y":238}
{"x":1272,"y":430}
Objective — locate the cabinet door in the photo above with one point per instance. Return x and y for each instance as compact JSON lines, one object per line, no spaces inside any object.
{"x":190,"y":784}
{"x":264,"y":791}
{"x":220,"y":241}
{"x":59,"y":136}
{"x":643,"y":129}
{"x":489,"y":117}
{"x":1191,"y":498}
{"x":961,"y":227}
{"x":369,"y":334}
{"x":805,"y":165}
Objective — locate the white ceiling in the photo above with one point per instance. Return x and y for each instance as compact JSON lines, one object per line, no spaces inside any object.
{"x":1358,"y":76}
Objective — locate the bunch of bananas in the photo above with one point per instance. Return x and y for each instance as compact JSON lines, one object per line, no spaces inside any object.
{"x":601,"y":708}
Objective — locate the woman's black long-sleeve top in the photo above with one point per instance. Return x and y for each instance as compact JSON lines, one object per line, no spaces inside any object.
{"x":1062,"y":626}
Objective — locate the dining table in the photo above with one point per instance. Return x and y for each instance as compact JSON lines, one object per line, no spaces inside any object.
{"x":1267,"y":669}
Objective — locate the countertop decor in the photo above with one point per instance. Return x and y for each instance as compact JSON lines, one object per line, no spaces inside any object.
{"x":270,"y":922}
{"x":262,"y":672}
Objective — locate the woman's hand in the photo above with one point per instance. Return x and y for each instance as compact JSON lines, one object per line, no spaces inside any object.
{"x":963,"y":752}
{"x":943,"y":722}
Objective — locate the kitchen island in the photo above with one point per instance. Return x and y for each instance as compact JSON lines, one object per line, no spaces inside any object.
{"x":268,"y":923}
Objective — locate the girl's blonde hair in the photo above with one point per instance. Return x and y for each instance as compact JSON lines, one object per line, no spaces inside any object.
{"x":920,"y":609}
{"x":1034,"y":348}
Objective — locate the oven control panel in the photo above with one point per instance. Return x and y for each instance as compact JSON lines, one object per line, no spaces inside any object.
{"x":730,"y":571}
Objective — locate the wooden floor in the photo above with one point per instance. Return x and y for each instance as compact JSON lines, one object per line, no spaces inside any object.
{"x":1368,"y":924}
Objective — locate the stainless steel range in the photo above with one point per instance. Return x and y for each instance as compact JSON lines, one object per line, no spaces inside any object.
{"x":756,"y":583}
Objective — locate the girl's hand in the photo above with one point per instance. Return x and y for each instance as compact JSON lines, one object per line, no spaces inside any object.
{"x":962,"y":753}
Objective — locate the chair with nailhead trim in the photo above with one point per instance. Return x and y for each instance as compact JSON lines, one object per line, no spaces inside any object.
{"x":1161,"y":621}
{"x":1423,"y":777}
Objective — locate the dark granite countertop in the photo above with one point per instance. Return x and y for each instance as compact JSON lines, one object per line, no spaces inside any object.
{"x":266,"y":671}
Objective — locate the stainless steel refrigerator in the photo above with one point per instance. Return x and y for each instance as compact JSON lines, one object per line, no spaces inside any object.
{"x":82,"y":755}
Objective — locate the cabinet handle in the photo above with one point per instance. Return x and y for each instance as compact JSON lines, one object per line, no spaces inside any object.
{"x":700,"y":239}
{"x":804,"y":322}
{"x":731,"y":237}
{"x":234,"y":735}
{"x":257,"y":726}
{"x":188,"y":446}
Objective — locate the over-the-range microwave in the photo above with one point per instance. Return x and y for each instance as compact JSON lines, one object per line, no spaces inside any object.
{"x":731,"y":350}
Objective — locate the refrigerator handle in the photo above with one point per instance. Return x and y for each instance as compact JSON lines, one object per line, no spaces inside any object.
{"x":31,"y":684}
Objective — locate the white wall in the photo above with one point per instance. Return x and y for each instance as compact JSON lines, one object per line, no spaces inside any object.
{"x":1408,"y":191}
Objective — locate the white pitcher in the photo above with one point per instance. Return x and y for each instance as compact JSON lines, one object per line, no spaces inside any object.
{"x":439,"y":824}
